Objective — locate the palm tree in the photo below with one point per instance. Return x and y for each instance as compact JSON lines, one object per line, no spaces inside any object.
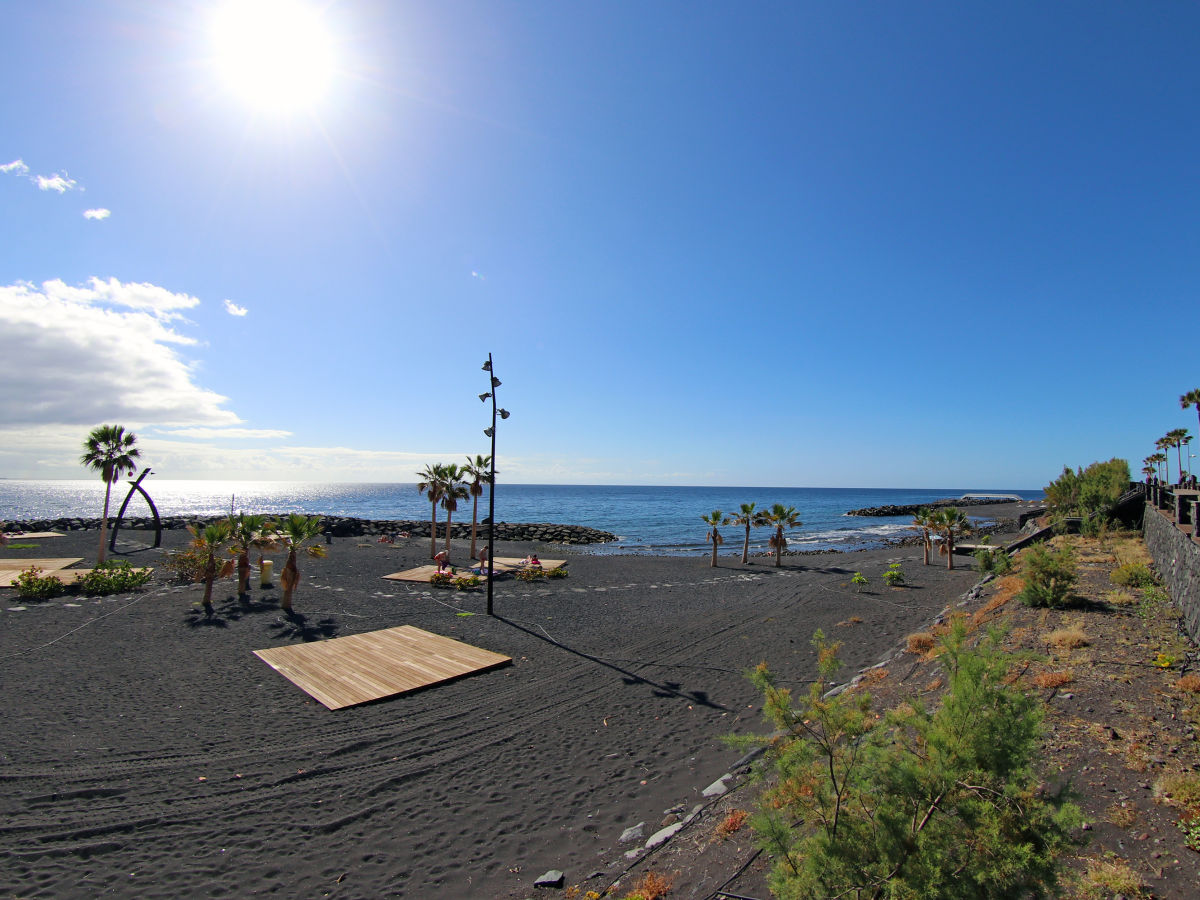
{"x":950,"y":522}
{"x":248,"y":533}
{"x":1164,"y":444}
{"x":750,"y":517}
{"x":297,"y":531}
{"x":432,"y":479}
{"x":111,"y":451}
{"x":1158,"y":459}
{"x":1176,"y":437}
{"x":714,"y":521}
{"x":453,"y":490}
{"x":1191,"y":398}
{"x":210,"y":542}
{"x":478,"y":473}
{"x":781,"y":517}
{"x":922,"y":519}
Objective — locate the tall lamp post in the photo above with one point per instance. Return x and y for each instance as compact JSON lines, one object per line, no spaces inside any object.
{"x":491,"y":433}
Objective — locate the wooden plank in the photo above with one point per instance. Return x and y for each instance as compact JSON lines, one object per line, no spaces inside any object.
{"x":361,"y":667}
{"x":420,"y":574}
{"x":13,"y":536}
{"x":10,"y":569}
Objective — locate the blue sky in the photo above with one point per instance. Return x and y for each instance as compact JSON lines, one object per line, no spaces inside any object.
{"x":794,"y":244}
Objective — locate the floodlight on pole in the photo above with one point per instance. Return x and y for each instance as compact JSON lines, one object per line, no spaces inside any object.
{"x":491,"y":433}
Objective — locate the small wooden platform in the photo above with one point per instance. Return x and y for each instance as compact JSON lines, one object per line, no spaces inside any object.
{"x":504,"y":565}
{"x":11,"y":568}
{"x":350,"y":670}
{"x":32,"y":534}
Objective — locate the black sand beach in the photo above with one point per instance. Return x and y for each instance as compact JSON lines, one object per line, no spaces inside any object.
{"x":147,"y":752}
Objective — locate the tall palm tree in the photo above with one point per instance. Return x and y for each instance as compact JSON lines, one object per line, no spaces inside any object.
{"x":210,"y":542}
{"x":780,"y":517}
{"x":477,"y":472}
{"x":714,"y":521}
{"x":246,"y":533}
{"x":297,"y":531}
{"x":1158,"y":459}
{"x":1192,"y":398}
{"x":750,"y":517}
{"x":432,"y":478}
{"x":950,"y":522}
{"x":453,"y":490}
{"x":1176,"y":438}
{"x":111,"y":451}
{"x":922,"y":519}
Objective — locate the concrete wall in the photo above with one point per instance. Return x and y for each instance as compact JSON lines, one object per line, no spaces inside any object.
{"x":1177,"y":559}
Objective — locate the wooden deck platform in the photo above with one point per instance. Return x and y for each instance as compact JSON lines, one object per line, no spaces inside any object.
{"x":31,"y":534}
{"x":11,"y":568}
{"x":350,"y":670}
{"x":504,"y":565}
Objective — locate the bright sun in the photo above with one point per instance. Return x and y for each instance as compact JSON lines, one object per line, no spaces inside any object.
{"x":276,"y":55}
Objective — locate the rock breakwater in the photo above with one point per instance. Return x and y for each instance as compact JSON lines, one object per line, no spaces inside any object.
{"x":911,"y":508}
{"x":341,"y":526}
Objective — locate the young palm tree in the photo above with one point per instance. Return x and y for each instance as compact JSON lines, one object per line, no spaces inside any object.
{"x":432,"y":479}
{"x":248,"y":533}
{"x":922,"y":520}
{"x":111,"y":451}
{"x":714,"y":521}
{"x":950,"y":522}
{"x":749,"y":517}
{"x":297,"y":531}
{"x":781,"y":517}
{"x":478,"y":472}
{"x":210,"y":541}
{"x":453,"y":490}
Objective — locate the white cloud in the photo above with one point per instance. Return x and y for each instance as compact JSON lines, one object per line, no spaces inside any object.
{"x":212,"y":433}
{"x":56,"y":182}
{"x":16,"y":167}
{"x":234,"y":310}
{"x":97,"y":214}
{"x":79,"y":356}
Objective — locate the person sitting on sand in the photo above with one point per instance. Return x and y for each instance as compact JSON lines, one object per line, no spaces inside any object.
{"x":532,"y":560}
{"x":442,"y":558}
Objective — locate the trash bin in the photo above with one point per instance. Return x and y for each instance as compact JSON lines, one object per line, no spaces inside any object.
{"x":265,"y":573}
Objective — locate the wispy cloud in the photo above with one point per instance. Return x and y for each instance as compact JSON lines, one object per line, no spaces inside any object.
{"x":56,"y":182}
{"x":106,"y":351}
{"x":215,"y":433}
{"x":16,"y":167}
{"x":97,"y":214}
{"x":234,"y":310}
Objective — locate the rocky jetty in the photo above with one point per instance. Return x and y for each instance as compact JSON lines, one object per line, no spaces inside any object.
{"x":910,"y":508}
{"x":341,"y":526}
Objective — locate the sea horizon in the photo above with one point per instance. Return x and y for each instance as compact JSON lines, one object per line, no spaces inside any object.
{"x":645,"y":518}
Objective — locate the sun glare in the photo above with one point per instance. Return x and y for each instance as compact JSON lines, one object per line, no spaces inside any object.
{"x":276,"y":55}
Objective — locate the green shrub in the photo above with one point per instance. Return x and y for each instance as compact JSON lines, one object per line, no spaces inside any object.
{"x":1094,"y":489}
{"x":894,"y":576}
{"x":1049,"y":576}
{"x":441,"y":579}
{"x":997,"y":562}
{"x":530,"y":573}
{"x":557,"y":572}
{"x":113,"y":577}
{"x":1095,"y":526}
{"x":32,"y":585}
{"x":932,"y":805}
{"x":859,"y":580}
{"x":1137,"y":575}
{"x":466,"y":582}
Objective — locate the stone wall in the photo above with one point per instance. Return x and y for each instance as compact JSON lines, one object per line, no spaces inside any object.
{"x":1177,"y":558}
{"x":340,"y":526}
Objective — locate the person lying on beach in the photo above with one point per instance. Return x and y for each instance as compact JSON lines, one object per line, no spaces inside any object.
{"x":531,"y":560}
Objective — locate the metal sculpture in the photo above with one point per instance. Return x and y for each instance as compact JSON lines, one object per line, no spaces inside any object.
{"x":137,"y":486}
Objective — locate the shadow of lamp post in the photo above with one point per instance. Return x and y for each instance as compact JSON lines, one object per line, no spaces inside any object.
{"x":491,"y":433}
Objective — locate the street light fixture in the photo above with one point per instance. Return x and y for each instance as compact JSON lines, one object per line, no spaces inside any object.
{"x":491,"y":433}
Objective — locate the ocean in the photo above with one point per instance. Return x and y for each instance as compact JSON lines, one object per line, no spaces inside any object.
{"x":658,"y":520}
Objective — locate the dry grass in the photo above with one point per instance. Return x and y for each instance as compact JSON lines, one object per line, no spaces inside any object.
{"x":651,"y":886}
{"x":1070,"y":637}
{"x":1007,"y":587}
{"x":733,"y":822}
{"x":874,"y":675}
{"x":853,"y":620}
{"x":1119,"y":598}
{"x":1123,"y":815}
{"x":1050,"y":680}
{"x":920,"y":643}
{"x":1189,"y":684}
{"x":1108,"y":877}
{"x":932,"y":686}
